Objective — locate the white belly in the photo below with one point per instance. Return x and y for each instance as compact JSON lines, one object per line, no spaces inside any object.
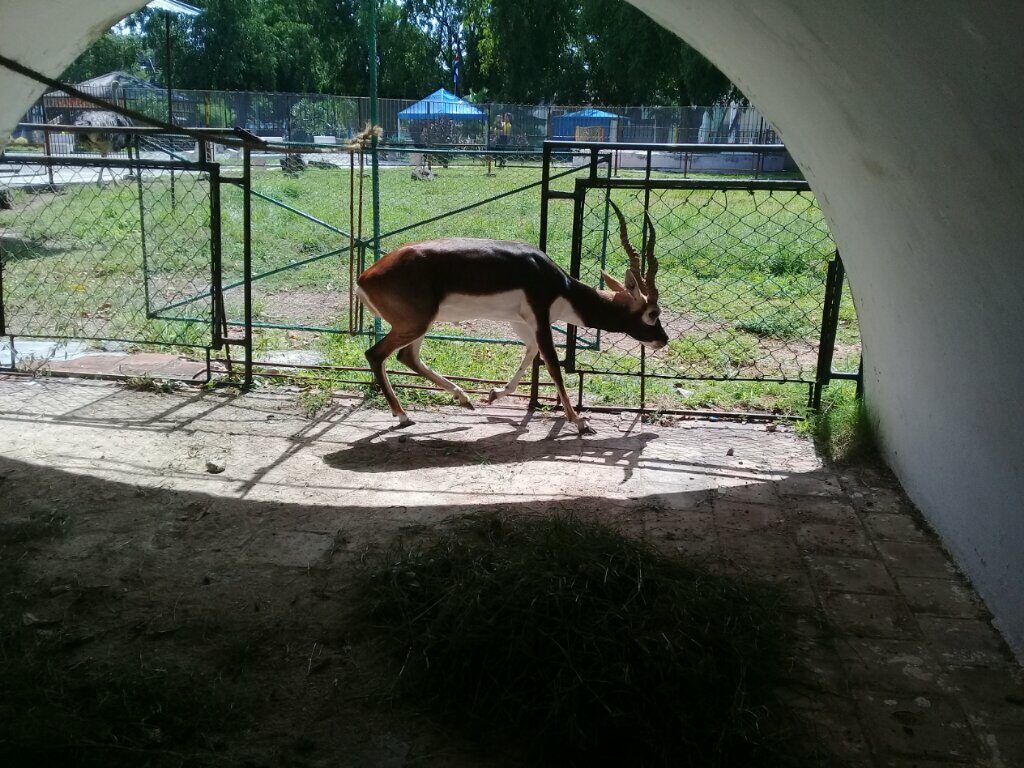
{"x":509,"y":306}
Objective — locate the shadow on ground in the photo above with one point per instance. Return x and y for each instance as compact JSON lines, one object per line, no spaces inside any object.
{"x":155,"y":614}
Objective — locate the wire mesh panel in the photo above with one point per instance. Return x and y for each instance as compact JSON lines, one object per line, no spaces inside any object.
{"x":428,"y":194}
{"x":301,"y":241}
{"x":104,"y":250}
{"x":741,"y":276}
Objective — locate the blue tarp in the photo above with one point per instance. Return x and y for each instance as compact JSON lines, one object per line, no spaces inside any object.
{"x":564,"y":126}
{"x":441,"y":103}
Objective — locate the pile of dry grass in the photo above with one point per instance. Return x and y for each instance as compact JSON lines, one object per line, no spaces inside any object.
{"x":587,"y":647}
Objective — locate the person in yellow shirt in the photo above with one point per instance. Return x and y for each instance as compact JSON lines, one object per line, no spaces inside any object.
{"x":504,"y":138}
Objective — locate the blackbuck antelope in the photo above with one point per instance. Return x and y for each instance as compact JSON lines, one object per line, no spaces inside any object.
{"x":456,"y":279}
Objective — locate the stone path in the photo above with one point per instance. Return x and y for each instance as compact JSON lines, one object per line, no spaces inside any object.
{"x":896,"y":663}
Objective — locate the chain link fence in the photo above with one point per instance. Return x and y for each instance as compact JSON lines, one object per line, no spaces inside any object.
{"x":312,"y":226}
{"x":308,"y":117}
{"x":262,"y":250}
{"x":102,"y":249}
{"x":747,"y":291}
{"x":740,"y":275}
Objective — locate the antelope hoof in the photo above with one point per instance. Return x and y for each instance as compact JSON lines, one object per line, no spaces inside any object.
{"x":467,"y":404}
{"x":584,"y":427}
{"x":404,"y":421}
{"x":494,"y":394}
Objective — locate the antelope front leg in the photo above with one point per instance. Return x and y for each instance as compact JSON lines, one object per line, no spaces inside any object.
{"x":550,"y":357}
{"x":525,"y":333}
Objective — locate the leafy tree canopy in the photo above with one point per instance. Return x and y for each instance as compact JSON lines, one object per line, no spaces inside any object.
{"x":555,"y":51}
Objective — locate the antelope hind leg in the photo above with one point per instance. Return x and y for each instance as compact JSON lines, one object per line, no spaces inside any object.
{"x":377,"y":356}
{"x":410,"y":357}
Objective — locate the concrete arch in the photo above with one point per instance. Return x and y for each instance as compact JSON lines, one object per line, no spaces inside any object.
{"x":906,"y":118}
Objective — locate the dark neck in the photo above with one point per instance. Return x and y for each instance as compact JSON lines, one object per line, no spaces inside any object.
{"x":596,"y":309}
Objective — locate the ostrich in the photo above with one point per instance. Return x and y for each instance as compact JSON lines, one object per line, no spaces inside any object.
{"x":104,"y":141}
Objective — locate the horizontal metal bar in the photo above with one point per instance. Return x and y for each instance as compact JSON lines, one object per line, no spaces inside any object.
{"x":693,"y":149}
{"x":751,"y":185}
{"x":844,"y":375}
{"x":398,"y":385}
{"x":17,"y":336}
{"x":484,"y":153}
{"x":296,"y":211}
{"x":471,"y":206}
{"x":737,"y":415}
{"x":178,"y":319}
{"x":109,"y":162}
{"x":144,"y":129}
{"x":677,"y":377}
{"x":58,"y":374}
{"x":361,"y":369}
{"x":345,"y":332}
{"x":285,"y":327}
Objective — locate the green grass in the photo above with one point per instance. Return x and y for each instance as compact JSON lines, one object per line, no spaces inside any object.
{"x":583,"y":646}
{"x":844,"y":428}
{"x":743,"y":272}
{"x":314,"y":400}
{"x":498,"y":362}
{"x":146,"y":383}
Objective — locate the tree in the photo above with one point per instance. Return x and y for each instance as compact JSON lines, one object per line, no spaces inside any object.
{"x":444,"y":23}
{"x":410,"y":66}
{"x":233,"y":48}
{"x":569,"y":51}
{"x":112,"y":52}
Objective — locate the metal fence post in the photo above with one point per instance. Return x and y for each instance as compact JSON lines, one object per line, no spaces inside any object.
{"x":247,"y":258}
{"x":829,"y":327}
{"x":3,"y":317}
{"x":575,"y":259}
{"x":216,"y":279}
{"x":47,"y":151}
{"x":142,"y":231}
{"x":545,"y":197}
{"x":374,"y":159}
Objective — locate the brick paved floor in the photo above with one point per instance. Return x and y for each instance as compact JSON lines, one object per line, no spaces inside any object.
{"x":896,"y":664}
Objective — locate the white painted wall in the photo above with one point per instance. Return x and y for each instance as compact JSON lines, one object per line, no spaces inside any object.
{"x":47,"y":35}
{"x":906,"y":118}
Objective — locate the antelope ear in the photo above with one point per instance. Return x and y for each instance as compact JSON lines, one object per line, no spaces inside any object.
{"x":633,"y":285}
{"x":612,"y":283}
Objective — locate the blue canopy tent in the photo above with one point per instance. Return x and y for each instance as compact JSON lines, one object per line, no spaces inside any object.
{"x":565,"y":127}
{"x":441,"y":103}
{"x":439,"y":106}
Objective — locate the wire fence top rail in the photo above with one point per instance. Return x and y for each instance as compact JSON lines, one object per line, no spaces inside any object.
{"x":307,"y":116}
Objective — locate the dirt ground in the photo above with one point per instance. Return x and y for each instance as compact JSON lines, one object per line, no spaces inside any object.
{"x":121,"y":552}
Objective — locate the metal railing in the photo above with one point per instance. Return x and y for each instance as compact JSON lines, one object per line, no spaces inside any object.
{"x":750,"y":280}
{"x":303,"y":117}
{"x":173,"y":249}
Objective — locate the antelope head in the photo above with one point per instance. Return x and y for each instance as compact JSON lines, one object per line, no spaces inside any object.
{"x":638,"y":293}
